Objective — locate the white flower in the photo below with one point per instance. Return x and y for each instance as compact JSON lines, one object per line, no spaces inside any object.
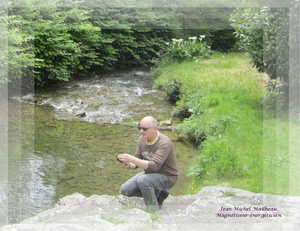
{"x":202,"y":37}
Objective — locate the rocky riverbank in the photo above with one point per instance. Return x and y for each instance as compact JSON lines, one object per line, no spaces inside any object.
{"x":213,"y":208}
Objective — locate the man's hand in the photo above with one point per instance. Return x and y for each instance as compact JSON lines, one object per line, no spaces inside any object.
{"x":126,"y":158}
{"x":123,"y":165}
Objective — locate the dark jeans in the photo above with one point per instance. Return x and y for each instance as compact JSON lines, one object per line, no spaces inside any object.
{"x":148,"y":186}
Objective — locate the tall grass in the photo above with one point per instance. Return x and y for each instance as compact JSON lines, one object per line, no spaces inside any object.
{"x":239,"y":145}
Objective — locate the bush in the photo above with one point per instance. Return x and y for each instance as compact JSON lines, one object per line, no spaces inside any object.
{"x":198,"y":128}
{"x":173,"y":90}
{"x":181,"y":50}
{"x":181,"y":112}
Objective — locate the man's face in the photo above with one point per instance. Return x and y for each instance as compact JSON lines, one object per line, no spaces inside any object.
{"x":147,"y":130}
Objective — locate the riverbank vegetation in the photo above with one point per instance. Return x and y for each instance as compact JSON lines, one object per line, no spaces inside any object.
{"x":62,"y":40}
{"x":229,"y":115}
{"x":240,"y":118}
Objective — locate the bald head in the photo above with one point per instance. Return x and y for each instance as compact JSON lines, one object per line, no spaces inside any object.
{"x":149,"y":120}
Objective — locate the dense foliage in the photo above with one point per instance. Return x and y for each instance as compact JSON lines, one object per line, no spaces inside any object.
{"x":61,"y":39}
{"x":266,"y":35}
{"x":260,"y":37}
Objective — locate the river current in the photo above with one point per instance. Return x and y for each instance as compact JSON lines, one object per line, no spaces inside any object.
{"x":52,"y":152}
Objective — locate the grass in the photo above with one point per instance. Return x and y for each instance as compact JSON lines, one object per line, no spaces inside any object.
{"x":245,"y":146}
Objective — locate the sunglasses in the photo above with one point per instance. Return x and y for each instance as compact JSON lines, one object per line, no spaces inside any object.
{"x":144,"y":129}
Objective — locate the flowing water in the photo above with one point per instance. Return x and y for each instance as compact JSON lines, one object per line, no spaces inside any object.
{"x":54,"y":153}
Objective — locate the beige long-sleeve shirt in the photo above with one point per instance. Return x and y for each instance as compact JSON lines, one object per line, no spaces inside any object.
{"x":160,"y":155}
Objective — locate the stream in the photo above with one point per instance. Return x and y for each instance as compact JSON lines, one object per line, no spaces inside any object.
{"x":54,"y":151}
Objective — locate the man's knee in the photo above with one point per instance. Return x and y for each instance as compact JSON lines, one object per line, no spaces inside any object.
{"x":144,"y":182}
{"x":125,"y":191}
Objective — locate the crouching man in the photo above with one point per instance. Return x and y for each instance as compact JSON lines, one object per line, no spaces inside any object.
{"x":154,"y":154}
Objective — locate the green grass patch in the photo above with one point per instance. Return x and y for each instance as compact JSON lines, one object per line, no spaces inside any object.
{"x":240,"y":145}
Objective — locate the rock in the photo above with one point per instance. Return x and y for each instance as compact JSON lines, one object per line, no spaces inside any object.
{"x":80,"y":113}
{"x":166,"y":122}
{"x":67,"y":109}
{"x":79,"y":101}
{"x":29,"y":97}
{"x":213,"y":208}
{"x":16,"y":99}
{"x":139,"y":73}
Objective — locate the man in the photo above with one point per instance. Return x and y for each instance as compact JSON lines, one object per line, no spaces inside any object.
{"x":156,"y":156}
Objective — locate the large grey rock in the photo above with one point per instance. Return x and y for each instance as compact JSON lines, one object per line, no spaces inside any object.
{"x":213,"y":208}
{"x":218,"y":208}
{"x":80,"y":113}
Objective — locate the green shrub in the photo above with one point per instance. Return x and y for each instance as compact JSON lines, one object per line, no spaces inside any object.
{"x":173,"y":90}
{"x":181,"y":112}
{"x":181,"y":50}
{"x":199,"y":128}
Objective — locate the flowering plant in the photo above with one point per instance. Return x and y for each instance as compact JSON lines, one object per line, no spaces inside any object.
{"x":195,"y":47}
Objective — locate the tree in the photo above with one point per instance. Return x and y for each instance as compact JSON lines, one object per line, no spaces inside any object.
{"x":65,"y":43}
{"x":294,"y":81}
{"x":264,"y":35}
{"x":17,"y":56}
{"x":137,"y":34}
{"x":66,"y":39}
{"x":50,"y":43}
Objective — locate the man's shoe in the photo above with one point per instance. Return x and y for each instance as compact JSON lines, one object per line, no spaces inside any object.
{"x":161,"y":197}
